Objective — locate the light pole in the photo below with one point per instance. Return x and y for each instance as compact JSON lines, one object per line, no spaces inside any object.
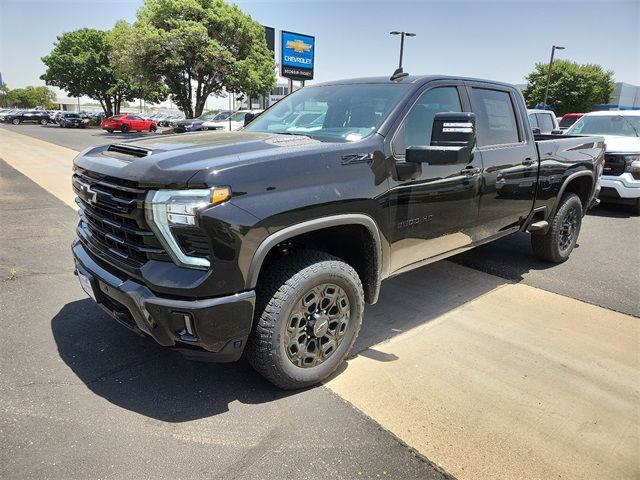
{"x":546,"y":91}
{"x":402,"y":35}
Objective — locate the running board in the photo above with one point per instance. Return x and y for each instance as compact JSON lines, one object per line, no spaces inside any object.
{"x":541,"y":225}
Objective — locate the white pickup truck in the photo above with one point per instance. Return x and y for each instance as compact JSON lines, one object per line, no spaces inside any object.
{"x":621,"y":175}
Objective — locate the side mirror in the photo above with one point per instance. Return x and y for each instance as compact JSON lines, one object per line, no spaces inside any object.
{"x":248,"y":117}
{"x":452,"y":140}
{"x":536,"y":131}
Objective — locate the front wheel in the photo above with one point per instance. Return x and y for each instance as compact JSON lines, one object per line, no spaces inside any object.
{"x":153,"y":128}
{"x":558,"y":243}
{"x":309,"y":310}
{"x":16,"y":121}
{"x":43,"y":121}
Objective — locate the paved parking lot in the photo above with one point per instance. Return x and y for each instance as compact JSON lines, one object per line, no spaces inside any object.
{"x":465,"y":362}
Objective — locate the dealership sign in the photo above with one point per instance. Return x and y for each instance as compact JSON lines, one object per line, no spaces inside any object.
{"x":297,"y":54}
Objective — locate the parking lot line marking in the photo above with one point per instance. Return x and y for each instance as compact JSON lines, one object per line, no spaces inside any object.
{"x":46,"y":164}
{"x":518,"y":383}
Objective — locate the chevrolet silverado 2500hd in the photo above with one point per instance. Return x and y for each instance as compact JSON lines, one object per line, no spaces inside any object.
{"x":269,"y":242}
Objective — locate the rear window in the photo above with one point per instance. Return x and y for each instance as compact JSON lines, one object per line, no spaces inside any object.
{"x":566,"y":122}
{"x":116,"y":117}
{"x":546,"y":122}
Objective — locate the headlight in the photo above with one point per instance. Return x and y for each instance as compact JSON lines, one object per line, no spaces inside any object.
{"x":167,"y":208}
{"x":632,"y":165}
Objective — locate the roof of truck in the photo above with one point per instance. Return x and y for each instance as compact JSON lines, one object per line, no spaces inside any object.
{"x":410,"y":79}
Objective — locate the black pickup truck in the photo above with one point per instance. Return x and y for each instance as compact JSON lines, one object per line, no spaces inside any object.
{"x":269,"y":241}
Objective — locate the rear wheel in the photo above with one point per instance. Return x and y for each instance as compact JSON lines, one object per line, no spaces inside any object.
{"x":558,"y":243}
{"x":124,"y":128}
{"x":153,"y":128}
{"x":309,"y":311}
{"x":43,"y":121}
{"x":109,"y":130}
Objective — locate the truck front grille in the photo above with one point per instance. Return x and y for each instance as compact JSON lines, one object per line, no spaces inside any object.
{"x":613,"y":165}
{"x":112,"y":222}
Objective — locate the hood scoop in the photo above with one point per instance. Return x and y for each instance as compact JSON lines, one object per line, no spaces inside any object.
{"x":126,"y":152}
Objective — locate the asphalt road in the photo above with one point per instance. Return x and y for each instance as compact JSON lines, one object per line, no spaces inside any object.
{"x":603,"y":269}
{"x":82,"y":397}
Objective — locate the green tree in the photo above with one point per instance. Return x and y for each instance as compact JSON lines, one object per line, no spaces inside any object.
{"x":4,"y":91}
{"x":28,"y":97}
{"x":198,"y":48}
{"x":572,"y":88}
{"x":79,"y":64}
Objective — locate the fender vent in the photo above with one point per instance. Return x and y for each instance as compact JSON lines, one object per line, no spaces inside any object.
{"x":128,"y":150}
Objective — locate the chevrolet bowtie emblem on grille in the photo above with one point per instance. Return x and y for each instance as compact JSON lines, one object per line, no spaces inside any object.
{"x":92,"y":195}
{"x":298,"y":46}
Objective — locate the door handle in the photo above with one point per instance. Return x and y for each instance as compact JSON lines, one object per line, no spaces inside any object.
{"x":470,"y":171}
{"x":527,"y":162}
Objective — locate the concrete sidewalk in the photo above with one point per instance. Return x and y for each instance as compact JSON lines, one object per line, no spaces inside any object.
{"x":46,"y":164}
{"x":518,"y":383}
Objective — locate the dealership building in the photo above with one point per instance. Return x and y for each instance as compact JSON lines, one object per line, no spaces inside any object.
{"x":625,"y":97}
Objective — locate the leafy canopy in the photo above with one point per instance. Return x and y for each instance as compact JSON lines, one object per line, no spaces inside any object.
{"x":198,"y":48}
{"x":572,"y":88}
{"x":79,"y":64}
{"x":27,"y":97}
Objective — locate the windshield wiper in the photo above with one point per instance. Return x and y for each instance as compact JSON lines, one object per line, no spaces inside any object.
{"x":292,"y":133}
{"x":630,"y":124}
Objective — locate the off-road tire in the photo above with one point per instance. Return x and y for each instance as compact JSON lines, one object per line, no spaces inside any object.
{"x":279,"y":289}
{"x":124,"y":128}
{"x":547,"y":247}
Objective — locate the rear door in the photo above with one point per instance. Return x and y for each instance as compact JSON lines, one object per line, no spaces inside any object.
{"x":509,"y":157}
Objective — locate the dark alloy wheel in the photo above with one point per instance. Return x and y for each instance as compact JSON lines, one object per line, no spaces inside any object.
{"x":317,"y":325}
{"x":558,"y":242}
{"x":309,"y":309}
{"x":124,"y":128}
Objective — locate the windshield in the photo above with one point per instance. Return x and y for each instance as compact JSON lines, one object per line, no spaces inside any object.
{"x":221,"y":116}
{"x":207,"y":116}
{"x":566,"y":122}
{"x":624,"y":126}
{"x":340,"y":113}
{"x":237,"y":117}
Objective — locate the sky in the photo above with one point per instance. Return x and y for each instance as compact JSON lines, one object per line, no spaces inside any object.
{"x":498,"y":40}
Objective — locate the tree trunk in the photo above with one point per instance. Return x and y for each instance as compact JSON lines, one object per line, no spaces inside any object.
{"x":109,"y":110}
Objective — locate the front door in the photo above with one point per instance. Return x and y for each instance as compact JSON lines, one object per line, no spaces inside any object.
{"x":432,"y":214}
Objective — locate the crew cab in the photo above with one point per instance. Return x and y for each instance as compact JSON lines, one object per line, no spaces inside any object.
{"x":543,"y":121}
{"x":269,"y":243}
{"x":621,"y":174}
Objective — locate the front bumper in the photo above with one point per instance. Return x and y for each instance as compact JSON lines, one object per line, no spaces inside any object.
{"x":621,"y":187}
{"x":213,"y":329}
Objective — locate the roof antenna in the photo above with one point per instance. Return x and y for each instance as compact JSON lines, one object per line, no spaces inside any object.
{"x":399,"y":73}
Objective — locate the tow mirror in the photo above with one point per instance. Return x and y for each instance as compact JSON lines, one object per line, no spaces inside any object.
{"x":453,"y":138}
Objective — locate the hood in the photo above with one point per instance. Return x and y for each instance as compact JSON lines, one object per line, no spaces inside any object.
{"x":171,"y":161}
{"x":619,"y":144}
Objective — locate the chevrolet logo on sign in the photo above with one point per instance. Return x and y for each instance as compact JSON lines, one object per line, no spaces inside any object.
{"x":298,"y":46}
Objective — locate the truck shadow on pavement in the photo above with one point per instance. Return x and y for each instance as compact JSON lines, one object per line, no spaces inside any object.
{"x":136,"y":374}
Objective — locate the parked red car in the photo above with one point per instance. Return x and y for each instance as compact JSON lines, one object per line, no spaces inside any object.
{"x":569,"y":119}
{"x":128,"y":122}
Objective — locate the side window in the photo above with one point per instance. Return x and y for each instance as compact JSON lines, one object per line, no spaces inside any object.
{"x":533,"y":120}
{"x":417,"y":125}
{"x":546,"y":123}
{"x":496,"y":117}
